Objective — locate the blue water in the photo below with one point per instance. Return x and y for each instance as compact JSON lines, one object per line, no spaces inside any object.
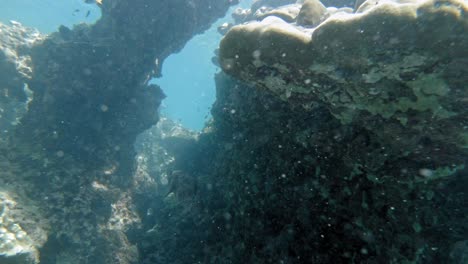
{"x":188,"y":81}
{"x":188,"y":77}
{"x":190,"y":88}
{"x":48,"y":15}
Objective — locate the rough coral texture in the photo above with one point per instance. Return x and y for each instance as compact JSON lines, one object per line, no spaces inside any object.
{"x":20,"y":238}
{"x":274,"y":183}
{"x":15,"y":71}
{"x":385,"y":64}
{"x":342,"y":143}
{"x":87,"y":98}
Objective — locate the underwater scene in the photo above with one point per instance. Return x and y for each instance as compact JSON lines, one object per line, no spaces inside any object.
{"x":233,"y":131}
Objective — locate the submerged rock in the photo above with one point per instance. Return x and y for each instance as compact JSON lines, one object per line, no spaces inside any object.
{"x":341,"y":130}
{"x":288,"y":13}
{"x":74,"y":145}
{"x":312,"y":13}
{"x":389,"y":63}
{"x":22,"y":231}
{"x":15,"y":72}
{"x":270,"y":4}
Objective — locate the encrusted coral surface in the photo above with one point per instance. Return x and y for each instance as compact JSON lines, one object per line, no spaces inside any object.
{"x":338,"y":139}
{"x":15,"y":71}
{"x":13,"y":239}
{"x":340,"y":143}
{"x":90,"y":99}
{"x":399,"y":63}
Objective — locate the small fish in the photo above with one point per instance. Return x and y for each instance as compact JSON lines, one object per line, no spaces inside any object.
{"x":15,"y":23}
{"x":99,"y":2}
{"x":87,"y":13}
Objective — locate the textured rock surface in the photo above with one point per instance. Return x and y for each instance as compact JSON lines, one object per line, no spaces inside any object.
{"x":364,"y":73}
{"x":21,"y":231}
{"x":276,"y":183}
{"x":15,"y":71}
{"x":90,"y":101}
{"x":345,"y":144}
{"x":312,"y":13}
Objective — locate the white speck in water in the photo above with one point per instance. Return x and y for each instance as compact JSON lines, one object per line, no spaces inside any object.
{"x":256,"y":54}
{"x":426,"y":172}
{"x":87,"y":71}
{"x":104,"y":108}
{"x":60,"y":153}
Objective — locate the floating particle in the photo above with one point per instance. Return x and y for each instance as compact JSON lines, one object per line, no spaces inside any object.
{"x":426,"y":172}
{"x":104,"y":108}
{"x":256,"y":54}
{"x":87,"y":71}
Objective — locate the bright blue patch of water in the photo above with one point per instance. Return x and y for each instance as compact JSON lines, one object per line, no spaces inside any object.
{"x":48,"y":15}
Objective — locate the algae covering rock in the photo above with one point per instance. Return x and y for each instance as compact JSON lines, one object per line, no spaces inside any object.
{"x":342,"y":143}
{"x":276,"y":183}
{"x":73,"y":149}
{"x":394,"y":68}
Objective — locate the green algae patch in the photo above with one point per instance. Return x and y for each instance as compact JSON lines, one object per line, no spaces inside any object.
{"x":422,"y":95}
{"x":427,"y":89}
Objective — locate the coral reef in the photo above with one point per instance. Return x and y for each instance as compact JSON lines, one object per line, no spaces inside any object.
{"x":90,"y":99}
{"x":343,"y":142}
{"x":338,"y":136}
{"x":23,"y":225}
{"x":15,"y":71}
{"x":367,"y":74}
{"x":14,"y":241}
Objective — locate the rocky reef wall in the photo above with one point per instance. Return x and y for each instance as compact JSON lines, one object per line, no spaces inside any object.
{"x":338,"y":136}
{"x":68,"y":156}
